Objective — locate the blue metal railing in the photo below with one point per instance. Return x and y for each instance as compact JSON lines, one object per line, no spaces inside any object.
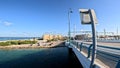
{"x":108,"y":47}
{"x":89,"y":51}
{"x":112,"y":57}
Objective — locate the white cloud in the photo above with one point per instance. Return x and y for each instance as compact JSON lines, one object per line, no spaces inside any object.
{"x":6,"y":23}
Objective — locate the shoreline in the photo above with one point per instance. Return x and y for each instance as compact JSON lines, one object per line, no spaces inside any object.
{"x":26,"y":46}
{"x":14,"y":40}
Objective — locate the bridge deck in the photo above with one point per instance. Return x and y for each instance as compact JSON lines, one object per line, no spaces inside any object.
{"x":57,"y":57}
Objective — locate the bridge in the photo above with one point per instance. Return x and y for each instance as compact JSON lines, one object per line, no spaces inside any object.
{"x":93,"y":55}
{"x":107,"y":56}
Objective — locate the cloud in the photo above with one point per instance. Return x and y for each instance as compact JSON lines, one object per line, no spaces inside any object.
{"x":6,"y":23}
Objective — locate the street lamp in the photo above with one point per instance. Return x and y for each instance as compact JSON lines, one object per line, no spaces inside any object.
{"x":88,"y":16}
{"x":69,"y":11}
{"x":74,"y":31}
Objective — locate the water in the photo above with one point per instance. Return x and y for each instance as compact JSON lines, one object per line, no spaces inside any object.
{"x":11,"y":54}
{"x":14,"y":38}
{"x":57,"y":57}
{"x":11,"y":57}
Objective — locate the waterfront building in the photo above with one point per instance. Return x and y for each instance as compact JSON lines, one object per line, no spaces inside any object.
{"x":52,"y":37}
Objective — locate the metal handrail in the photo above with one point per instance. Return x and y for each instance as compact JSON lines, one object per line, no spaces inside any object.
{"x":109,"y":47}
{"x":108,"y":55}
{"x":90,"y":47}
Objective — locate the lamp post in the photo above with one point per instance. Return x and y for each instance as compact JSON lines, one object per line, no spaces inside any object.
{"x":88,"y":16}
{"x":74,"y":31}
{"x":69,"y":35}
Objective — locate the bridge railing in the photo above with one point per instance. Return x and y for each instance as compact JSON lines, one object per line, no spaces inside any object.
{"x":108,"y":59}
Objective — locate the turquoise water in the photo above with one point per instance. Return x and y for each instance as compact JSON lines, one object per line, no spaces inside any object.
{"x":9,"y":55}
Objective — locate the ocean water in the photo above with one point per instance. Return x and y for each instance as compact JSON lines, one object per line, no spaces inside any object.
{"x":15,"y":38}
{"x":11,"y":54}
{"x":57,"y":57}
{"x":11,"y":57}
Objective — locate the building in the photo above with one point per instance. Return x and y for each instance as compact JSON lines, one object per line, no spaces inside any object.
{"x":52,"y":37}
{"x":59,"y":37}
{"x":83,"y":37}
{"x":109,"y":37}
{"x":47,"y":37}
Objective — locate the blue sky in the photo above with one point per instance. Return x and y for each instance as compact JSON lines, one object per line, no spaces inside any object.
{"x":36,"y":17}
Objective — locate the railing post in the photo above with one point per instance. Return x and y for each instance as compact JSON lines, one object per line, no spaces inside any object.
{"x":75,"y":43}
{"x":78,"y":44}
{"x":89,"y":50}
{"x":81,"y":46}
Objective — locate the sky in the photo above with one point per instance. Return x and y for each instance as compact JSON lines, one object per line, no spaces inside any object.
{"x":38,"y":17}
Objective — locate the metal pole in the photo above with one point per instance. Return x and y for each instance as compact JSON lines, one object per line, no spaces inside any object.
{"x":117,"y":31}
{"x":69,"y":25}
{"x":94,"y":41}
{"x":74,"y":31}
{"x":104,"y":34}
